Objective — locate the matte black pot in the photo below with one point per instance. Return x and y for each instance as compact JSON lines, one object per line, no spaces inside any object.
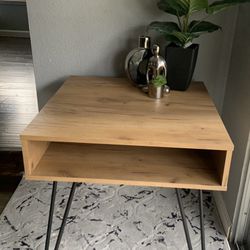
{"x":181,"y":64}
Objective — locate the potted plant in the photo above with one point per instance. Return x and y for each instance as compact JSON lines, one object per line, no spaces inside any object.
{"x":156,"y":87}
{"x":181,"y":53}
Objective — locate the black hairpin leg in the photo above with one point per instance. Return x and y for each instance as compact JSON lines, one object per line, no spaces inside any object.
{"x":51,"y":211}
{"x":184,"y":220}
{"x":65,"y":216}
{"x":66,"y":213}
{"x":203,"y":246}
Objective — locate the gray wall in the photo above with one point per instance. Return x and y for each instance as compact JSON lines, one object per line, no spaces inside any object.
{"x":92,"y":38}
{"x":13,"y":16}
{"x":236,"y":108}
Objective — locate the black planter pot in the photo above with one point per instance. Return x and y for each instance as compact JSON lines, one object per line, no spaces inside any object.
{"x":181,"y":64}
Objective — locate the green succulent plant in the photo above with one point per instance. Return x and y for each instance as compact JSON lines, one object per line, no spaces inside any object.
{"x":159,"y":81}
{"x":185,"y":30}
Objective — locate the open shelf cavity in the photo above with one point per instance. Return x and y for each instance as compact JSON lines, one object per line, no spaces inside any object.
{"x":130,"y":165}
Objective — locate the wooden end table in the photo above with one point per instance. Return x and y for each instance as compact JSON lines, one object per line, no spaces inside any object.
{"x":104,"y":130}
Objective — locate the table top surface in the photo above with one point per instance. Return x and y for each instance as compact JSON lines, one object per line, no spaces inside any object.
{"x":106,"y":110}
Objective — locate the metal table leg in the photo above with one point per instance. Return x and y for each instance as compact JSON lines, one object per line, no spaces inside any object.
{"x":64,"y":220}
{"x":184,"y":220}
{"x":203,"y":246}
{"x":51,"y":211}
{"x":65,"y":216}
{"x":70,"y":199}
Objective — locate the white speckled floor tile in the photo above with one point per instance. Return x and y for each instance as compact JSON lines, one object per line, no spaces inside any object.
{"x":107,"y":217}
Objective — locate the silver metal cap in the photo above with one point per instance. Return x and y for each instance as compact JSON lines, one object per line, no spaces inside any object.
{"x":144,"y":42}
{"x":156,"y":50}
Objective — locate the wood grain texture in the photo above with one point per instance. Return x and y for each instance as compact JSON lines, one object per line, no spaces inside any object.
{"x":111,"y":111}
{"x":226,"y":169}
{"x":33,"y":151}
{"x":104,"y":130}
{"x":142,"y":166}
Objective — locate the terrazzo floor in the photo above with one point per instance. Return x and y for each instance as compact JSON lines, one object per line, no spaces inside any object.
{"x":107,"y":217}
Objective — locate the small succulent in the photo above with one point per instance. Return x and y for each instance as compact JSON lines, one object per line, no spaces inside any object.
{"x":159,"y":81}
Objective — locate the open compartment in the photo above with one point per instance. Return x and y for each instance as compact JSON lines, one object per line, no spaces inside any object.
{"x":130,"y":165}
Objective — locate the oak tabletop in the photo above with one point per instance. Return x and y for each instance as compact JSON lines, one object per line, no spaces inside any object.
{"x":107,"y":110}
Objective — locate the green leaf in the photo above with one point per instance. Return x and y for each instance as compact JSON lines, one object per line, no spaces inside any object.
{"x":174,"y":7}
{"x":173,"y":39}
{"x":164,"y":27}
{"x":218,"y":6}
{"x":197,"y":5}
{"x":185,"y":38}
{"x":167,"y":29}
{"x":172,"y":33}
{"x":182,"y":39}
{"x":201,"y":27}
{"x":182,"y":7}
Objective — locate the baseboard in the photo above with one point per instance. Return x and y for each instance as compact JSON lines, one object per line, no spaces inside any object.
{"x":223,"y":213}
{"x":234,"y":246}
{"x":15,"y":33}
